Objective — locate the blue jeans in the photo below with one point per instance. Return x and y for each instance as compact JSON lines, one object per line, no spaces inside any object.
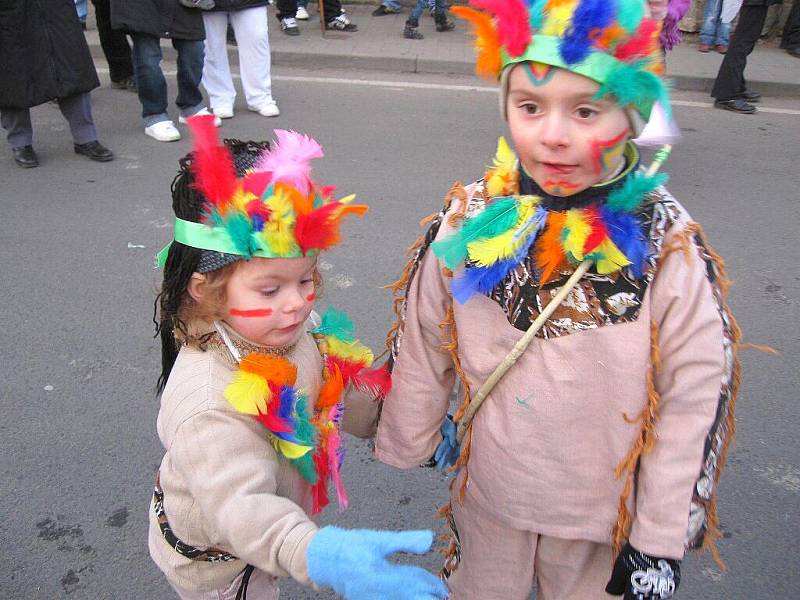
{"x":151,"y":84}
{"x":82,"y":8}
{"x":419,"y":8}
{"x":714,"y":31}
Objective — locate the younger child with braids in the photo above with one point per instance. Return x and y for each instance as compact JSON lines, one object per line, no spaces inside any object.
{"x":254,"y":391}
{"x":592,"y":463}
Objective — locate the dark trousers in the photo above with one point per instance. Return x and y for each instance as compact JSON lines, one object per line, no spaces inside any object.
{"x":791,"y":32}
{"x":730,"y":81}
{"x":114,"y":43}
{"x":77,"y":110}
{"x":151,"y":84}
{"x":288,"y":8}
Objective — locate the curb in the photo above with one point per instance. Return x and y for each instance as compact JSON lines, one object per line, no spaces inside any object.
{"x":423,"y":64}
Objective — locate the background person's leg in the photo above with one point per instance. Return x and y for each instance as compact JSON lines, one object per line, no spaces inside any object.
{"x":114,"y":43}
{"x":77,"y":110}
{"x":255,"y":63}
{"x":150,"y":82}
{"x":190,"y":72}
{"x":17,"y":123}
{"x":216,"y":70}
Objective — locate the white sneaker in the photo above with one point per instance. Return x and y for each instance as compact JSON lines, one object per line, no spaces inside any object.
{"x":225,"y":112}
{"x":268,"y":109}
{"x":289,"y":26}
{"x":202,"y":111}
{"x":163,"y":131}
{"x":301,"y":14}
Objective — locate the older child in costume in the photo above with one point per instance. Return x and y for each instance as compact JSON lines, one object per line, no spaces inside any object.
{"x":254,"y":394}
{"x":593,"y":462}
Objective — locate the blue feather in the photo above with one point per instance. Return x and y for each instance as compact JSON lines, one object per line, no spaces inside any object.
{"x":590,"y":15}
{"x":625,"y":230}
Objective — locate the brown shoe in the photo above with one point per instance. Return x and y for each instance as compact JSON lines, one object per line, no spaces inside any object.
{"x":704,"y":47}
{"x":722,"y":49}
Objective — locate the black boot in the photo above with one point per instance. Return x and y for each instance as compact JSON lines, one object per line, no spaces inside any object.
{"x":442,"y":22}
{"x":411,"y":32}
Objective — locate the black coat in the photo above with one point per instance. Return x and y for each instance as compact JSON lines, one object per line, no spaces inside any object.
{"x":230,"y":5}
{"x":43,"y":53}
{"x":159,"y":18}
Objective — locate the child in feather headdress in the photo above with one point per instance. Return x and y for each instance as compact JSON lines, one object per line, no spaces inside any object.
{"x":592,"y":464}
{"x":255,"y":388}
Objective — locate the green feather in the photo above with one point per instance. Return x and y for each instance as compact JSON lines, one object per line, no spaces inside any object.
{"x":337,"y":324}
{"x":240,"y":229}
{"x":497,"y":218}
{"x":305,"y":466}
{"x":631,"y":193}
{"x":631,"y":84}
{"x":304,"y":431}
{"x":630,"y":14}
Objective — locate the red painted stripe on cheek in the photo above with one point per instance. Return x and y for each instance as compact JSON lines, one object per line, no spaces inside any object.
{"x":311,"y":297}
{"x":259,"y":312}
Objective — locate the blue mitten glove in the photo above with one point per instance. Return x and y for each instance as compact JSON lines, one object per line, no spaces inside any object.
{"x":447,"y":451}
{"x":353,"y":563}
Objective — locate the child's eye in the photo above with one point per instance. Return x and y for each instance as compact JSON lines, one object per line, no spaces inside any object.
{"x":269,"y":292}
{"x":585,"y":112}
{"x":530,"y":108}
{"x":307,"y":281}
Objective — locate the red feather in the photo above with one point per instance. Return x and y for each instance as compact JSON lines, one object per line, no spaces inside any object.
{"x":599,"y":231}
{"x":319,"y":229}
{"x":349,"y":369}
{"x":256,"y":183}
{"x":513,"y":24}
{"x":212,"y":164}
{"x":641,"y":44}
{"x":319,"y":491}
{"x":376,"y":381}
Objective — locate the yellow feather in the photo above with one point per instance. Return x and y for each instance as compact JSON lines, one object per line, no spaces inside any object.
{"x":241,"y":198}
{"x":579,"y":231}
{"x":278,"y":233}
{"x":504,"y":163}
{"x":502,"y":247}
{"x":354,"y":351}
{"x":613,"y":259}
{"x":347,"y":199}
{"x":248,"y":393}
{"x":292,"y":450}
{"x":559,"y":17}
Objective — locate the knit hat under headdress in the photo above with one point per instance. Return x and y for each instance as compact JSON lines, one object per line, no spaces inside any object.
{"x":274,"y":211}
{"x":609,"y":41}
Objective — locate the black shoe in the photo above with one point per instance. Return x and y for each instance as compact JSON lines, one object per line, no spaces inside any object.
{"x":750,"y":96}
{"x":794,"y":52}
{"x":128,"y":83}
{"x":736,"y":105}
{"x":385,"y":10}
{"x":95,"y":150}
{"x":443,"y":24}
{"x":25,"y":157}
{"x":410,"y":32}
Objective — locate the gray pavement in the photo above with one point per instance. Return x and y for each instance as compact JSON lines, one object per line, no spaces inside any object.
{"x":77,"y":431}
{"x":379,"y":45}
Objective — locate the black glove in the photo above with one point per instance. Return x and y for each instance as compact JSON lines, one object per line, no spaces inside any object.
{"x":643,"y":577}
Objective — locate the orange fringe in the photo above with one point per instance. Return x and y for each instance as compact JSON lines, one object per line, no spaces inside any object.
{"x":644,"y":443}
{"x":448,"y":325}
{"x":458,"y":192}
{"x":683,"y":242}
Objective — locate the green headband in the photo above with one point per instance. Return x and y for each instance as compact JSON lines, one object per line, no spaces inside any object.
{"x":204,"y":237}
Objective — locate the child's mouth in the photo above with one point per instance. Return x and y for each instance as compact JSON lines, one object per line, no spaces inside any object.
{"x":559,"y":169}
{"x":289,"y":329}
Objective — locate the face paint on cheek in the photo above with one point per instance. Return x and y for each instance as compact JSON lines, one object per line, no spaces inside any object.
{"x":259,"y":312}
{"x":539,"y":73}
{"x":605,"y":152}
{"x":559,"y":187}
{"x":311,"y":297}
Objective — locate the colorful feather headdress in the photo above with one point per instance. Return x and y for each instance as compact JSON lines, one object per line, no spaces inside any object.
{"x":609,"y":41}
{"x":275,"y":211}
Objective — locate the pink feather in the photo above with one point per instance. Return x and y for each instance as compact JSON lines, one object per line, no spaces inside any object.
{"x":289,"y":159}
{"x":334,"y":449}
{"x":513,"y":24}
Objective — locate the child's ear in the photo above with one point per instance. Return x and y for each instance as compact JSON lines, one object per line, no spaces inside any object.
{"x":195,"y":286}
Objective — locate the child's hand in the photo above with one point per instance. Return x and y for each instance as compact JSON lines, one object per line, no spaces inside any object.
{"x":447,"y":451}
{"x":353,"y":563}
{"x":642,"y":577}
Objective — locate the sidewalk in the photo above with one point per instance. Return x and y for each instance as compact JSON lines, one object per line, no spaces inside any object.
{"x":379,"y":45}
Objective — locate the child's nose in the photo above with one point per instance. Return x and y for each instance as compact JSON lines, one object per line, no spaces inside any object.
{"x":554,"y":131}
{"x":294,"y":302}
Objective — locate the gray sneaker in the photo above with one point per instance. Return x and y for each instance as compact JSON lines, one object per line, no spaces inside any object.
{"x":289,"y":26}
{"x":341,"y":23}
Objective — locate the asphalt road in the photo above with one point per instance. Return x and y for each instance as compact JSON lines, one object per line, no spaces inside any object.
{"x":77,"y":240}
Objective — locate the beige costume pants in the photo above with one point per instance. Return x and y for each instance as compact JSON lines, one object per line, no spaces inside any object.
{"x":262,"y":586}
{"x":501,"y":563}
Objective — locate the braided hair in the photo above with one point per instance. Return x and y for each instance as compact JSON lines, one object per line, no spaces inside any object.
{"x":182,"y":261}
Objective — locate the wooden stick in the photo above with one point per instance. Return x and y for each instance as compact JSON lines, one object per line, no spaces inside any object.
{"x":322,"y":17}
{"x":519,"y":348}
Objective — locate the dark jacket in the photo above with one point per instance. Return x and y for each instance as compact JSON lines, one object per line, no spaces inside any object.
{"x":761,"y":2}
{"x":231,"y":5}
{"x":160,"y":18}
{"x":43,"y":53}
